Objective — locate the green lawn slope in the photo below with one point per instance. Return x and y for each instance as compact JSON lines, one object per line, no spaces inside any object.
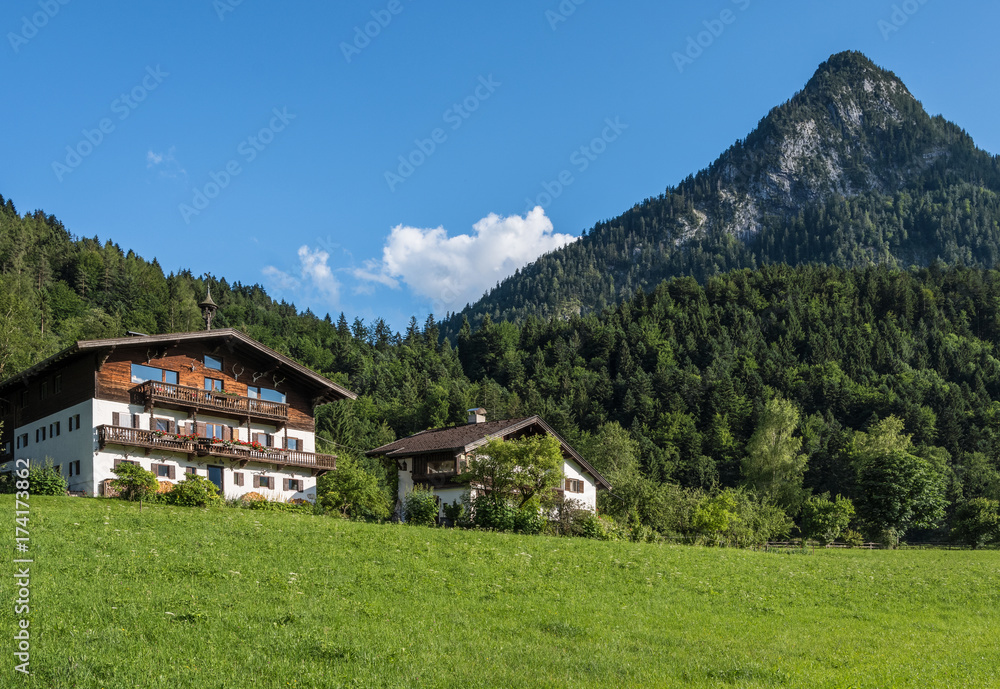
{"x":178,"y":597}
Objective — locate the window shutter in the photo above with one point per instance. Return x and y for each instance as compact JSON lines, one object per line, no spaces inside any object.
{"x":238,"y":478}
{"x":284,"y":444}
{"x":171,"y":426}
{"x":115,"y":418}
{"x":284,"y":484}
{"x":227,"y":432}
{"x":135,"y":420}
{"x":256,"y":481}
{"x":202,"y":429}
{"x":172,"y":472}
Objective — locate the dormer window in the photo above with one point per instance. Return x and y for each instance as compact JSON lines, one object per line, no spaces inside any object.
{"x":212,"y":363}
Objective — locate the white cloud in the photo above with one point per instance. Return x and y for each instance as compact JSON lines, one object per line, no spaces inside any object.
{"x":453,"y":271}
{"x":315,"y":275}
{"x":166,"y":164}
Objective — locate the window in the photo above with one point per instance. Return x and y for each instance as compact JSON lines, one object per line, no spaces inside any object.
{"x":58,"y":468}
{"x":162,"y":425}
{"x":24,"y":398}
{"x":441,"y":466}
{"x":292,"y":484}
{"x":140,"y":374}
{"x":74,"y":422}
{"x":212,"y":363}
{"x":57,"y":383}
{"x":163,"y":470}
{"x":6,"y":448}
{"x":74,"y":467}
{"x":266,"y":394}
{"x":263,"y":482}
{"x":213,"y":430}
{"x":293,"y":443}
{"x":238,"y":478}
{"x":262,"y":438}
{"x":117,"y":463}
{"x":574,"y":485}
{"x":213,"y":384}
{"x":22,"y":441}
{"x":191,"y":470}
{"x":43,"y":390}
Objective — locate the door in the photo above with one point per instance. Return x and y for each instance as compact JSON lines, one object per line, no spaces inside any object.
{"x":215,"y":476}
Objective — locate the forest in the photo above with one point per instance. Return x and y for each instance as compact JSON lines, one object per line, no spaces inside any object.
{"x":787,"y":381}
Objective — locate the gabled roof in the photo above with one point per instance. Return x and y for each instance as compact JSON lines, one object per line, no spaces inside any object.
{"x":228,"y":336}
{"x":462,"y":439}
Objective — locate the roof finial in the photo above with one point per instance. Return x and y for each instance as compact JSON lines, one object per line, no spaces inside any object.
{"x":208,"y":308}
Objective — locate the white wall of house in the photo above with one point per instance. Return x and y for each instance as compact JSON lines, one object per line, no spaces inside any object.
{"x":588,"y":497}
{"x":68,"y":446}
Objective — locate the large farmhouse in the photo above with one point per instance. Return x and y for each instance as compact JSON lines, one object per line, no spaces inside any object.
{"x":436,"y":457}
{"x":214,"y":403}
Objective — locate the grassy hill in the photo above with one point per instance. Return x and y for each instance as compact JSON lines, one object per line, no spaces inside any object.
{"x":178,"y":597}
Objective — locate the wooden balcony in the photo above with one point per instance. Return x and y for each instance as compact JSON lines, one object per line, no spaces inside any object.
{"x":206,"y":447}
{"x":181,"y":397}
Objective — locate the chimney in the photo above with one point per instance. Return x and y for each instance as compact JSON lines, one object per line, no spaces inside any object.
{"x":477,"y":415}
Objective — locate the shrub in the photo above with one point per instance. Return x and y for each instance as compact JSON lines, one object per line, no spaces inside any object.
{"x":568,"y":516}
{"x":420,"y":507}
{"x":852,"y":538}
{"x":977,"y":522}
{"x":134,"y":483}
{"x":45,"y":480}
{"x":824,"y":519}
{"x":194,"y":491}
{"x":493,"y":512}
{"x":352,"y":492}
{"x":529,"y":519}
{"x":455,"y":513}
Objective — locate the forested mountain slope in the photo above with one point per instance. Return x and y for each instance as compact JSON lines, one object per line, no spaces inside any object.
{"x":671,"y":384}
{"x":851,"y":171}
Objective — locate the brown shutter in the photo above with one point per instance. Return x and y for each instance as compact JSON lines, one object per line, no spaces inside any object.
{"x":284,"y":444}
{"x":284,"y":484}
{"x":171,"y":472}
{"x":201,"y":429}
{"x":227,"y":432}
{"x":238,"y":478}
{"x":256,"y":481}
{"x":135,"y":420}
{"x":115,"y":419}
{"x":171,"y":426}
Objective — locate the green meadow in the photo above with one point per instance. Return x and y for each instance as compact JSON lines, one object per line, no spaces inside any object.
{"x":180,"y":597}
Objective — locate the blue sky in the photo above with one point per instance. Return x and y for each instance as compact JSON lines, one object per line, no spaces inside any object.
{"x":383,"y":157}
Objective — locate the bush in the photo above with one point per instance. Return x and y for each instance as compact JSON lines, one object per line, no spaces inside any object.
{"x":455,"y":513}
{"x":529,"y":519}
{"x":977,"y":522}
{"x":493,"y":512}
{"x":568,"y":515}
{"x":45,"y":480}
{"x":194,"y":491}
{"x":601,"y":528}
{"x":352,"y":492}
{"x":420,"y":507}
{"x":852,"y":538}
{"x":134,"y":483}
{"x":824,"y":519}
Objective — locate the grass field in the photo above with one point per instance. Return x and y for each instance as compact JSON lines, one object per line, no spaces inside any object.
{"x":180,"y":597}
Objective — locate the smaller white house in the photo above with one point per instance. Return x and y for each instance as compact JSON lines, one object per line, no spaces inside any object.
{"x":436,"y":457}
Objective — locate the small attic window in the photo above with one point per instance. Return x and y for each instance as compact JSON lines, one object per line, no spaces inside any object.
{"x":213,"y":363}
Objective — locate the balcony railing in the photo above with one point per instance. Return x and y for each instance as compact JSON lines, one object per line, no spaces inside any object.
{"x":168,"y":442}
{"x":183,"y":397}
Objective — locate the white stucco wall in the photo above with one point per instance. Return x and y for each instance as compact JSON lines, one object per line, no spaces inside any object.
{"x":589,"y":495}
